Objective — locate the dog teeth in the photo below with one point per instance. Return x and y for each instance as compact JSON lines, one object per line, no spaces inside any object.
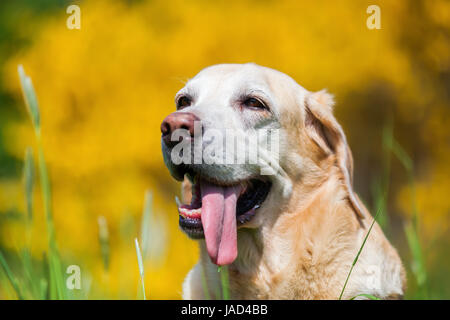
{"x":190,"y":213}
{"x":244,"y":219}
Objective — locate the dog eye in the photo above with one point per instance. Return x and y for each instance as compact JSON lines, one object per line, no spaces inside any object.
{"x":183,"y":102}
{"x":254,"y":104}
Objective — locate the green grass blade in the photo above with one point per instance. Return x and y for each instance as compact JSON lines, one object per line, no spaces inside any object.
{"x":153,"y":234}
{"x":30,"y":99}
{"x":141,"y":267}
{"x":103,"y":238}
{"x":30,"y":273}
{"x":10,"y":277}
{"x":43,"y":288}
{"x":28,"y":180}
{"x":382,"y":190}
{"x":412,"y":228}
{"x":401,"y":155}
{"x":57,"y":283}
{"x":359,"y":253}
{"x":418,"y":265}
{"x":224,"y":280}
{"x":145,"y":223}
{"x":369,"y":296}
{"x":28,"y":176}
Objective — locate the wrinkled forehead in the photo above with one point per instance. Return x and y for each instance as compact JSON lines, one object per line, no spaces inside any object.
{"x":230,"y":80}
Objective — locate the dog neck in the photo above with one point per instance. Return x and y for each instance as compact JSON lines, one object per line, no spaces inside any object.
{"x":284,"y":245}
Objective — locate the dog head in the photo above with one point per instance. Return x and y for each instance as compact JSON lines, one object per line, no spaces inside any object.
{"x":247,"y":137}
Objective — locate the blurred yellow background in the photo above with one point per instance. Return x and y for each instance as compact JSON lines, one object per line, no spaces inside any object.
{"x":103,"y":91}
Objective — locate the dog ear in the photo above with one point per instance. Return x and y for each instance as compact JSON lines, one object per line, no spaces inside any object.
{"x":326,"y":132}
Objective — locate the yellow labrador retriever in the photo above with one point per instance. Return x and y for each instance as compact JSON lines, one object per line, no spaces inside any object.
{"x":286,"y":221}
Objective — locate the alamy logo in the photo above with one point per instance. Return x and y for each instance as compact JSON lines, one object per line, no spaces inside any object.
{"x":74,"y":20}
{"x":73,"y":281}
{"x":374,"y":20}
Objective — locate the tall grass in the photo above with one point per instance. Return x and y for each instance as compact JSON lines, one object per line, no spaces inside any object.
{"x":411,"y":228}
{"x":10,"y":276}
{"x":355,"y":260}
{"x":380,"y":188}
{"x":56,"y":276}
{"x":50,"y":284}
{"x":35,"y":285}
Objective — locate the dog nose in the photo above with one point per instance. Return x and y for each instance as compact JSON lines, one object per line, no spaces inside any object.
{"x":177,"y":120}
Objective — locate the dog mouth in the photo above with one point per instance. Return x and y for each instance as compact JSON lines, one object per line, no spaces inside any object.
{"x":217,"y":210}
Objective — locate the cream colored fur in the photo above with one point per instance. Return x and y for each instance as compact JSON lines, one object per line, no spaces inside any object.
{"x":302,"y":241}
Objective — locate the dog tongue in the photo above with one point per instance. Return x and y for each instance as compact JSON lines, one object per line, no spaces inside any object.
{"x":219,"y":221}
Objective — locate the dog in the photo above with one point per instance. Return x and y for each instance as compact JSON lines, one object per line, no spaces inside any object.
{"x":293,"y":232}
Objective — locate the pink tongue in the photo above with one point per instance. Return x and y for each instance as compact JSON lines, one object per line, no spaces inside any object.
{"x":219,"y":221}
